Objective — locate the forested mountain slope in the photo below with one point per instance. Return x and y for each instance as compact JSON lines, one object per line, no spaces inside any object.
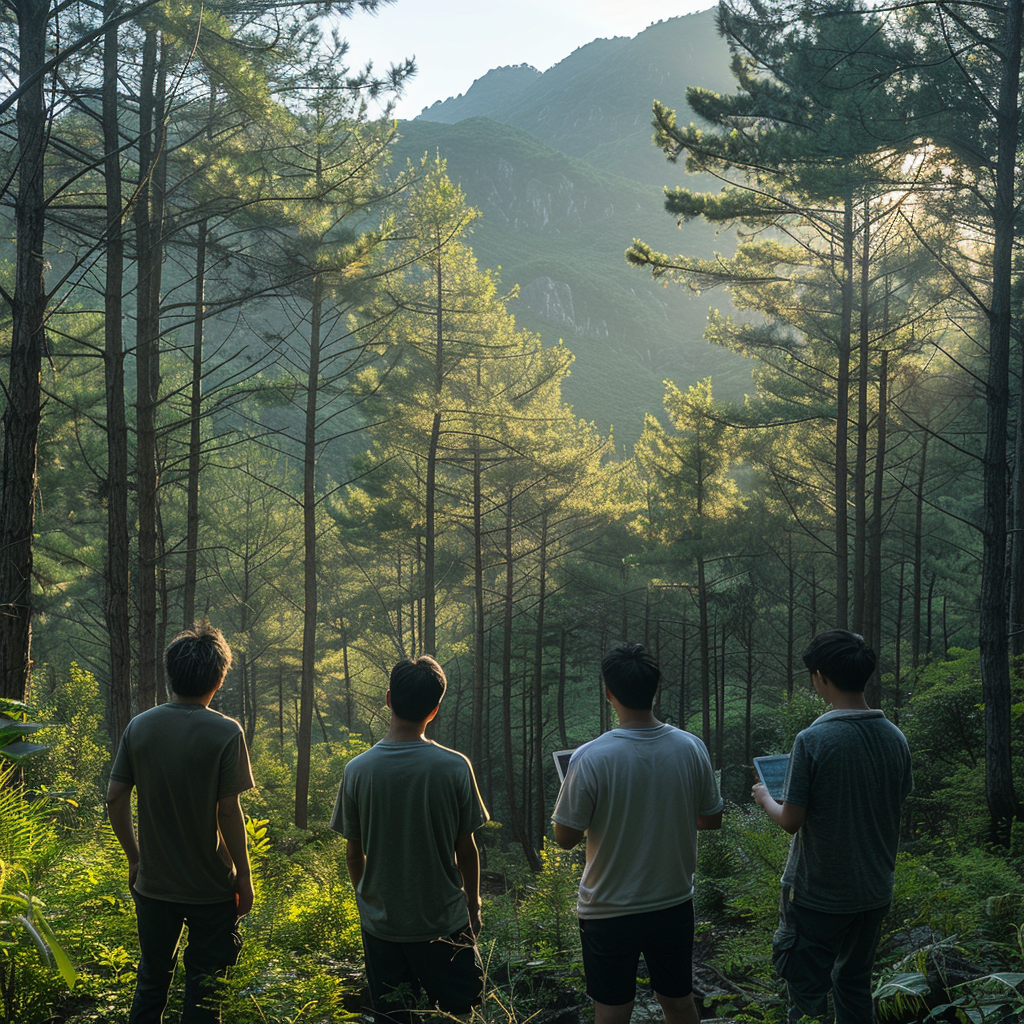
{"x":563,"y":170}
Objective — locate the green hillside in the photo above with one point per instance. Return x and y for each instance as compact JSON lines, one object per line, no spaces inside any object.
{"x":558,"y":226}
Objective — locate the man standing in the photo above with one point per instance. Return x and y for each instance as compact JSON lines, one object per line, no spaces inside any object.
{"x":640,"y":793}
{"x":189,"y":864}
{"x":408,"y":808}
{"x":847,"y":778}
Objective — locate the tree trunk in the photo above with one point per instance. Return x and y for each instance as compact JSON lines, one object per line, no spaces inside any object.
{"x":307,"y":685}
{"x":1017,"y":538}
{"x":915,"y":626}
{"x":194,"y":439}
{"x":22,"y":414}
{"x":843,"y":422}
{"x":515,"y":815}
{"x":476,"y":739}
{"x":790,"y":623}
{"x":538,"y":675}
{"x":563,"y":738}
{"x":860,"y":476}
{"x":116,"y":583}
{"x":684,"y":702}
{"x":428,"y":632}
{"x":749,"y":706}
{"x":720,"y":708}
{"x":873,"y":602}
{"x":705,"y":654}
{"x":898,"y":667}
{"x":146,"y":359}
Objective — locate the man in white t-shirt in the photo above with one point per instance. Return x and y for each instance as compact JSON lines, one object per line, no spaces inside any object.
{"x":640,"y":794}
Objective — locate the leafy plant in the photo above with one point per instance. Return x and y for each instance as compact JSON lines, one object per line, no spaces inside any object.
{"x":14,"y":730}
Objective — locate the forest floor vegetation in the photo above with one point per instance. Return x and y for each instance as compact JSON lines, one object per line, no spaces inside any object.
{"x":952,"y":947}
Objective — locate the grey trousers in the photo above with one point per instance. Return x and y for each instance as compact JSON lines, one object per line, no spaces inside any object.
{"x":815,"y":951}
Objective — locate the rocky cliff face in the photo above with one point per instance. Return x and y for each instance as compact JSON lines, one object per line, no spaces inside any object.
{"x":551,"y":301}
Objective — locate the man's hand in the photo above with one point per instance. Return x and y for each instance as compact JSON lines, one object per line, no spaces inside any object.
{"x":243,"y":895}
{"x":133,"y":872}
{"x":788,"y":816}
{"x":474,"y":917}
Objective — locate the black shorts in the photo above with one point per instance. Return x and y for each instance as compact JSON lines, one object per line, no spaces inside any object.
{"x":445,"y":972}
{"x":612,"y":948}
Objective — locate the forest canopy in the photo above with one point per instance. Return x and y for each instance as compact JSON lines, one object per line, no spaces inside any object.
{"x":254,"y":373}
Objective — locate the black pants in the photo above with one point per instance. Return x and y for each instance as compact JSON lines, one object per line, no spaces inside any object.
{"x":402,"y":976}
{"x":213,"y":945}
{"x":815,"y":952}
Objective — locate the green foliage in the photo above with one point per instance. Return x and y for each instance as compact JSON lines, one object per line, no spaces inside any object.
{"x":548,"y":925}
{"x":29,"y":947}
{"x":76,"y":756}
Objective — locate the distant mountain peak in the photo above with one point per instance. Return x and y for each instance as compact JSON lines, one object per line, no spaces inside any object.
{"x":496,"y":89}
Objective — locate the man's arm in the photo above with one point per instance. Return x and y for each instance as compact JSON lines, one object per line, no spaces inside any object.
{"x":355,"y":860}
{"x":119,"y":811}
{"x":231,"y":822}
{"x":467,"y":860}
{"x":709,"y":822}
{"x":567,"y":837}
{"x":788,"y":815}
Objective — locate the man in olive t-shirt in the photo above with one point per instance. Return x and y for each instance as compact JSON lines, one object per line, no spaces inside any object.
{"x":189,"y":864}
{"x":408,"y":809}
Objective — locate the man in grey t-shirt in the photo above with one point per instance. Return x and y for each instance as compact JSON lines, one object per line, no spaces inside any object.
{"x":848,"y":775}
{"x":638,"y":795}
{"x":408,"y":809}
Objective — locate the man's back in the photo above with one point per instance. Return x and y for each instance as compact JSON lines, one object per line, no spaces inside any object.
{"x":407,"y":803}
{"x":851,"y":771}
{"x":638,"y":793}
{"x":182,"y":758}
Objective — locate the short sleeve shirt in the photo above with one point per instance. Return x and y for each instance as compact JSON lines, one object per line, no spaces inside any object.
{"x":851,"y":771}
{"x":183,"y":759}
{"x":407,"y":803}
{"x":637,"y":793}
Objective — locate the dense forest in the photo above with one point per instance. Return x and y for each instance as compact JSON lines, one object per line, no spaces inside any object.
{"x":254,"y":373}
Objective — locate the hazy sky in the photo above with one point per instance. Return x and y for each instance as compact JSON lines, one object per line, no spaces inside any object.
{"x":456,"y":41}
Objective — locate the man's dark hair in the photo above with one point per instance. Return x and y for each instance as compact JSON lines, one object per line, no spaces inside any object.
{"x":842,"y":657}
{"x":632,"y":675}
{"x":196,"y":660}
{"x":417,"y":687}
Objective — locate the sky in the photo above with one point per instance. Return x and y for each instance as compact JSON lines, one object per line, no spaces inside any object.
{"x":457,"y":41}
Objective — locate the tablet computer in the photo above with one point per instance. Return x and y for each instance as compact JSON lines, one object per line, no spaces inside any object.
{"x":772,"y":773}
{"x":561,"y":762}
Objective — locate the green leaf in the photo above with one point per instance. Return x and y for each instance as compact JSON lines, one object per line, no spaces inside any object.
{"x":912,"y":983}
{"x":63,"y":961}
{"x":21,"y":749}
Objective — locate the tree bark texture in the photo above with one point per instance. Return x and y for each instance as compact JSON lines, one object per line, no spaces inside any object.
{"x":1002,"y":801}
{"x":147,"y":363}
{"x":309,"y":617}
{"x":116,"y":604}
{"x":515,"y":814}
{"x":22,"y":413}
{"x":843,"y":423}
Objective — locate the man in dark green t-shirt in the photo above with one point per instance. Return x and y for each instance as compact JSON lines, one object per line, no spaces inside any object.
{"x":408,"y":809}
{"x":189,"y":864}
{"x":848,"y":776}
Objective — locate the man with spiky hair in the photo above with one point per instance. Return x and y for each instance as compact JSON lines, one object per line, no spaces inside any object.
{"x":408,"y":808}
{"x":639,"y":794}
{"x":848,"y":775}
{"x":189,"y":864}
